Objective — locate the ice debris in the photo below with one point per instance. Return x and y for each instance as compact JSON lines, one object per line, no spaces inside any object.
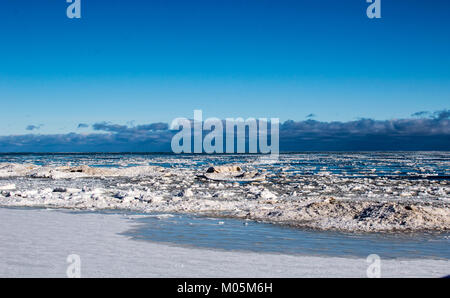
{"x":328,"y":202}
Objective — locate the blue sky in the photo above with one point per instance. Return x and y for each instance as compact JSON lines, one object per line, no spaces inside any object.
{"x":135,"y":62}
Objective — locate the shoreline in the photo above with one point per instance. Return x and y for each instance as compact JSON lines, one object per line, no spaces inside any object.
{"x":36,"y":243}
{"x":208,"y":213}
{"x":141,"y":224}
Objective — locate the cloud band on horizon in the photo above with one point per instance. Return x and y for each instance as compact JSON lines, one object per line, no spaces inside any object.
{"x":418,"y":133}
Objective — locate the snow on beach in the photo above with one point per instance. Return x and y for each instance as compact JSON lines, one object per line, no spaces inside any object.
{"x":281,"y":193}
{"x":37,"y":242}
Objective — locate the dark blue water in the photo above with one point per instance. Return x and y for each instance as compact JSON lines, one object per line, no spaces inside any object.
{"x":240,"y":235}
{"x":349,"y":164}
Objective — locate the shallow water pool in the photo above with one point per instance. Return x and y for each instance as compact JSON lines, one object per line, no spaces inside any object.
{"x":241,"y":235}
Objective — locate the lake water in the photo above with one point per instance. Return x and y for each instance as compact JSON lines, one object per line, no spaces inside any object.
{"x":241,"y":235}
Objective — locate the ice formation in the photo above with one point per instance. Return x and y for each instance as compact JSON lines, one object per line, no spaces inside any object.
{"x":306,"y":196}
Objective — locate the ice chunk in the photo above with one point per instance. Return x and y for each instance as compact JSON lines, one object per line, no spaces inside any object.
{"x":8,"y":187}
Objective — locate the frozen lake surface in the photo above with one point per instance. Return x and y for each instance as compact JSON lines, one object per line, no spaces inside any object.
{"x":37,"y":243}
{"x":348,"y":192}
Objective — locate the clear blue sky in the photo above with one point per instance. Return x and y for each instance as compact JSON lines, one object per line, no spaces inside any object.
{"x":149,"y":61}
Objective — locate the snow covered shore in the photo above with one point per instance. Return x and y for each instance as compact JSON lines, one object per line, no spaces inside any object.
{"x":37,"y":242}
